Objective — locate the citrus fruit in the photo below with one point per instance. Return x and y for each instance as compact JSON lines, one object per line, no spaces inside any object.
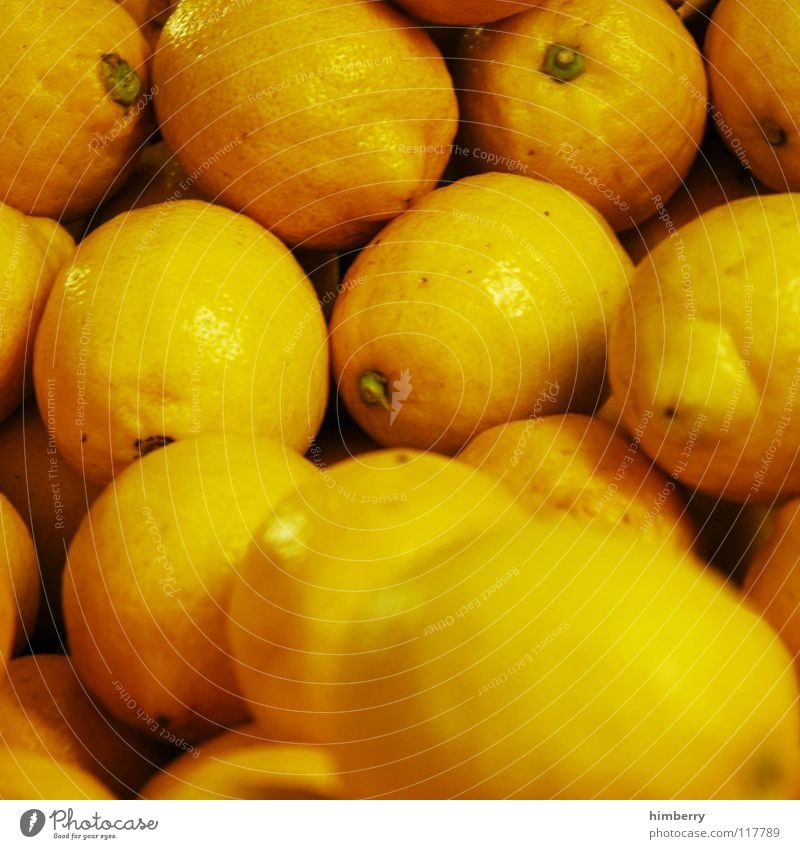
{"x":33,"y":775}
{"x":716,"y":178}
{"x":605,"y":98}
{"x":487,"y":301}
{"x":45,"y":708}
{"x":19,"y":582}
{"x":772,"y":582}
{"x":335,"y":117}
{"x":239,"y":764}
{"x":176,"y":320}
{"x":463,"y":12}
{"x":149,"y":572}
{"x":577,"y":465}
{"x":530,"y":660}
{"x":751,"y":50}
{"x":74,"y":84}
{"x":707,"y":350}
{"x":50,"y":496}
{"x":399,"y":505}
{"x":31,"y":251}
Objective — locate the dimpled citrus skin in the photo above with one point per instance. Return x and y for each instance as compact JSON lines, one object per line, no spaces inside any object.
{"x":175,"y":320}
{"x":45,"y":708}
{"x":31,"y":251}
{"x":66,"y":141}
{"x":319,"y":118}
{"x":534,"y":660}
{"x":464,"y":12}
{"x":623,"y":131}
{"x":707,"y":350}
{"x":33,"y":775}
{"x":577,"y":465}
{"x":240,"y":764}
{"x":488,"y":301}
{"x":752,"y":51}
{"x":149,"y":573}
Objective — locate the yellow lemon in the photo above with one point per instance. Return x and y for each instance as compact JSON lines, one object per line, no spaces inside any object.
{"x":490,"y":300}
{"x":45,"y":708}
{"x":751,"y":50}
{"x":772,"y":582}
{"x":606,"y":98}
{"x":508,"y":659}
{"x":31,"y":252}
{"x":705,"y":357}
{"x":318,"y":118}
{"x":148,"y":576}
{"x":176,"y":320}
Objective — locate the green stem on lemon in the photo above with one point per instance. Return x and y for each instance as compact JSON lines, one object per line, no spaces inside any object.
{"x":563,"y":63}
{"x":372,"y":389}
{"x":773,"y":133}
{"x":120,"y":80}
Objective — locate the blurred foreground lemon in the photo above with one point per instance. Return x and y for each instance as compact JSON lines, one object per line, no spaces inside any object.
{"x":33,"y":775}
{"x":506,"y":658}
{"x":239,"y":764}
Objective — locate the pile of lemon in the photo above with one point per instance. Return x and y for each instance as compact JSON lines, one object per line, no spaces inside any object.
{"x":417,"y":414}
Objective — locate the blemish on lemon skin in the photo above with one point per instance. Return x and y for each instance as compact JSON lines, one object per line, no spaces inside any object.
{"x":766,"y":775}
{"x":773,"y":133}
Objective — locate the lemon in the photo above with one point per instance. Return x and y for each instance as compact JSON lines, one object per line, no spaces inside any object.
{"x":705,"y":357}
{"x":486,"y":656}
{"x":177,"y":320}
{"x":490,"y":300}
{"x":148,"y":576}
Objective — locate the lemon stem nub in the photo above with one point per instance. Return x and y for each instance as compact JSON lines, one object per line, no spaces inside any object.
{"x":372,"y":389}
{"x":774,"y":134}
{"x":120,"y":80}
{"x":563,"y":63}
